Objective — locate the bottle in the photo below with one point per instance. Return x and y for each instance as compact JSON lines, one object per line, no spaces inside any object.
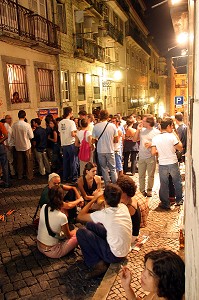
{"x":181,"y":239}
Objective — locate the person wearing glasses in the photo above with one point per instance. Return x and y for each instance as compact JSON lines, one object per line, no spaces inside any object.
{"x":72,"y":199}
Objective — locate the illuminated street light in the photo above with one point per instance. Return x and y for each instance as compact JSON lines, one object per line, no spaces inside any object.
{"x":173,"y":2}
{"x":182,"y":38}
{"x":117,"y":75}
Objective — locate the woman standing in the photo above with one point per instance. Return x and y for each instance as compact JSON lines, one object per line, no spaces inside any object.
{"x":52,"y":217}
{"x":130,"y":148}
{"x":81,"y":134}
{"x":56,"y":146}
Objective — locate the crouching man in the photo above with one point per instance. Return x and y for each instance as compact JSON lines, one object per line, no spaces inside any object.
{"x":107,"y":236}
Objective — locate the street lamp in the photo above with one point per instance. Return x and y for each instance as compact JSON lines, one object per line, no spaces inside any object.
{"x":173,"y":2}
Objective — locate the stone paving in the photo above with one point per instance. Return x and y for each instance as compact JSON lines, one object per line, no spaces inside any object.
{"x":25,"y":273}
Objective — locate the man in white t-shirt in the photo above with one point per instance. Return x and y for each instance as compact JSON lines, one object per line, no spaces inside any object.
{"x":67,"y":129}
{"x":166,"y":145}
{"x":20,"y":138}
{"x":106,"y":238}
{"x":105,"y":146}
{"x":147,"y":162}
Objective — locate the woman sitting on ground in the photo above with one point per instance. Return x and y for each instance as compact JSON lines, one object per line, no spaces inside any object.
{"x":163,"y":276}
{"x":89,"y":183}
{"x":47,"y":243}
{"x":128,"y":188}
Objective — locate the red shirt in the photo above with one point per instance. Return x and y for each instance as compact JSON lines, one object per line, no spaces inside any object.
{"x":3,"y":131}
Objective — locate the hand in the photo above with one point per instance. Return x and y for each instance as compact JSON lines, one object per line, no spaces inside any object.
{"x":125,"y":276}
{"x":147,"y":145}
{"x":97,"y":193}
{"x":81,"y":202}
{"x":140,"y":126}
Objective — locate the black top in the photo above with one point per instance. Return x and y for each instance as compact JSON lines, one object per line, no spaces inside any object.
{"x":40,"y":138}
{"x":89,"y":191}
{"x":136,"y":219}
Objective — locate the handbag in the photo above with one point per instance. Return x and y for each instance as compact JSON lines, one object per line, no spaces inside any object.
{"x":85,"y":149}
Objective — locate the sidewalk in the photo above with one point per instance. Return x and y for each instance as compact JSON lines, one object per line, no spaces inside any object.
{"x":163,"y":232}
{"x":25,"y":273}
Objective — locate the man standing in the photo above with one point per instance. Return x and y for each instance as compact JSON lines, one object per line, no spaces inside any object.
{"x":3,"y":157}
{"x":182,"y":133}
{"x":9,"y":148}
{"x":40,"y":144}
{"x":147,"y":162}
{"x":67,"y":129}
{"x":166,"y":145}
{"x":107,"y":236}
{"x":21,"y":135}
{"x":106,"y":134}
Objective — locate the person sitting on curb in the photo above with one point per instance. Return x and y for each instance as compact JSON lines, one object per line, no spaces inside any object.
{"x":72,"y":199}
{"x":163,"y":276}
{"x":106,"y":238}
{"x":128,"y":188}
{"x":53,"y":224}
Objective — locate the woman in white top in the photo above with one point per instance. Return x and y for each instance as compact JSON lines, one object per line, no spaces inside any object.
{"x":58,"y":223}
{"x":79,"y":137}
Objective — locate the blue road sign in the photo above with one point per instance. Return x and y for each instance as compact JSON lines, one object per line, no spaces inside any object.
{"x":179,"y":100}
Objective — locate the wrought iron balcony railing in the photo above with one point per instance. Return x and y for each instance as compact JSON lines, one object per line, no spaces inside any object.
{"x":98,"y":6}
{"x":88,"y":48}
{"x":132,"y":31}
{"x":114,"y":32}
{"x":19,"y":20}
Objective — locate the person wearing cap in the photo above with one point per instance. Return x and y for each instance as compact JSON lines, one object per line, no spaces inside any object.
{"x":71,"y":199}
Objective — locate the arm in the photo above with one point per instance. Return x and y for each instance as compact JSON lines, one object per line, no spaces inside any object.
{"x":73,"y":133}
{"x":66,"y":231}
{"x":136,"y":137}
{"x":69,"y":205}
{"x":178,"y":146}
{"x":83,"y":214}
{"x":125,"y":276}
{"x":54,"y":137}
{"x":77,"y":142}
{"x":153,"y":150}
{"x":69,"y":187}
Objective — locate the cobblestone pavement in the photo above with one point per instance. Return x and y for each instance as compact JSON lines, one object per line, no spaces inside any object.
{"x":163,"y":232}
{"x":25,"y":273}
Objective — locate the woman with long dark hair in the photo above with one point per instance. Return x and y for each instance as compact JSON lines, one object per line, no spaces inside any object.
{"x":163,"y":277}
{"x":53,"y":224}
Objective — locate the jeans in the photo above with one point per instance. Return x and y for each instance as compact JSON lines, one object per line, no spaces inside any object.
{"x":69,"y":163}
{"x":164,"y":172}
{"x":5,"y":168}
{"x":107,"y":162}
{"x":94,"y":246}
{"x":148,"y":165}
{"x":133,"y":155}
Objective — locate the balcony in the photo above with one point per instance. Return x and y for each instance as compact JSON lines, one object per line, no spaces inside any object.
{"x":19,"y":25}
{"x":135,"y":34}
{"x":113,"y":32}
{"x":88,"y":50}
{"x":95,"y":6}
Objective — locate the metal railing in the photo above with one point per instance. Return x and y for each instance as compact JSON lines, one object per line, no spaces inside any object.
{"x":98,"y":6}
{"x":132,"y":31}
{"x":17,"y":19}
{"x":113,"y":32}
{"x":90,"y":49}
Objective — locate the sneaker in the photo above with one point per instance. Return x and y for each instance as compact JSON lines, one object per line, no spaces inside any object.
{"x":179,"y":203}
{"x":99,"y":269}
{"x":144,"y":194}
{"x":172,"y":200}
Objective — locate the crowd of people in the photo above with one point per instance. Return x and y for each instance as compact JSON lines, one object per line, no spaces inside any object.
{"x":91,"y":157}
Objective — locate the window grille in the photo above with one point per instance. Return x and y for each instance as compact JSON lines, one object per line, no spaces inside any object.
{"x":46,"y":88}
{"x":61,"y":17}
{"x":17,"y":83}
{"x":64,"y":86}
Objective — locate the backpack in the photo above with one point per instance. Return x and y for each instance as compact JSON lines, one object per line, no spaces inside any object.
{"x":85,"y":150}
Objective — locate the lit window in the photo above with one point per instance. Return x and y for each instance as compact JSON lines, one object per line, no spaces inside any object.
{"x":64,"y":86}
{"x":81,"y":86}
{"x":96,"y":86}
{"x":46,"y":88}
{"x":17,"y":83}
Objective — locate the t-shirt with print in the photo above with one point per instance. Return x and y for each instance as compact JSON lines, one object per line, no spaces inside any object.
{"x":65,"y":128}
{"x":105,"y":143}
{"x":164,"y":144}
{"x":117,"y":222}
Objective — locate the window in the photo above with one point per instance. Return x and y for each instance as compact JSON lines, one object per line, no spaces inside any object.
{"x":81,"y":86}
{"x":96,"y":86}
{"x":118,"y":95}
{"x":17,"y":83}
{"x":38,"y":6}
{"x":46,"y":88}
{"x":61,"y":17}
{"x":64,"y":86}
